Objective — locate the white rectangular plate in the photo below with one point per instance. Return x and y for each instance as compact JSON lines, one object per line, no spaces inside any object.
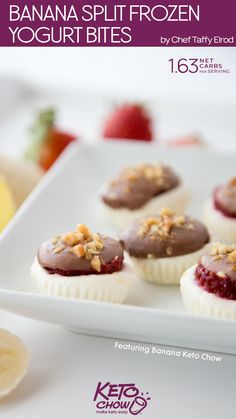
{"x":68,"y":195}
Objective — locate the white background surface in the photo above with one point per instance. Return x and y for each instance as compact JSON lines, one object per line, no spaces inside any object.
{"x":85,"y":83}
{"x":136,"y":72}
{"x":65,"y":367}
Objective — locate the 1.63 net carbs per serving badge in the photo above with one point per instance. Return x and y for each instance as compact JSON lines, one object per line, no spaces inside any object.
{"x":128,"y":398}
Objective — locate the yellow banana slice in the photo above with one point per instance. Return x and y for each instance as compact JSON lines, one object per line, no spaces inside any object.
{"x":7,"y":206}
{"x":14,"y":360}
{"x":21,"y":176}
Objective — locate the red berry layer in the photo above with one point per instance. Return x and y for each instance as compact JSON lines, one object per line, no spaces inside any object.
{"x":114,"y":266}
{"x":212,"y":283}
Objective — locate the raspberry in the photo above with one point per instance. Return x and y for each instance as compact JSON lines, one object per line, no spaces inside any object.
{"x":212,"y":283}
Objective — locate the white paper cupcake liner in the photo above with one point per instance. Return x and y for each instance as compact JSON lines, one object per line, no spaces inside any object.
{"x":167,"y":270}
{"x":221,"y":227}
{"x":176,"y":199}
{"x":200,"y":302}
{"x":113,"y":288}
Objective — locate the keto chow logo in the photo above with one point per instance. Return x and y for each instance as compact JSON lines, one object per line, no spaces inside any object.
{"x":119,"y":398}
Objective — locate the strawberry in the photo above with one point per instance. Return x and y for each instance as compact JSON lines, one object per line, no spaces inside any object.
{"x":55,"y":142}
{"x":129,"y":121}
{"x":47,"y":142}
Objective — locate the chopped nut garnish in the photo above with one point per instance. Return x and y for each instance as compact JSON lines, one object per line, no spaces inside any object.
{"x":132,"y":176}
{"x":112,"y":196}
{"x":232,"y":256}
{"x":151,"y":172}
{"x":71,"y":239}
{"x":98,"y":245}
{"x":222,"y":250}
{"x":218,"y":257}
{"x":83,"y":229}
{"x":221,"y":274}
{"x":58,"y":249}
{"x":78,"y":250}
{"x":169,"y":251}
{"x":190,"y":226}
{"x":180,"y":219}
{"x":88,"y":256}
{"x":96,"y":263}
{"x":232,"y":182}
{"x":161,"y":225}
{"x":82,"y":243}
{"x":166,"y":211}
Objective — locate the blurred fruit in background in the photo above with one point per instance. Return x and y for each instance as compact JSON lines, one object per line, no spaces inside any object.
{"x":186,"y":141}
{"x":129,"y":122}
{"x":7,"y":206}
{"x":18,"y":176}
{"x":17,"y":179}
{"x":47,"y":142}
{"x":21,"y":176}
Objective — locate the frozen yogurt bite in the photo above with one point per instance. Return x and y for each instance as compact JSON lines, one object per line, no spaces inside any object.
{"x":220,"y":212}
{"x":143,"y":190}
{"x":161,"y":247}
{"x":82,"y":264}
{"x":209,"y":287}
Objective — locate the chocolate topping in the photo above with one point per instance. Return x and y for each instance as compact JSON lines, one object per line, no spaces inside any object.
{"x":71,"y":254}
{"x":165,"y":235}
{"x":225,"y":198}
{"x":135,"y":186}
{"x":221,"y":260}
